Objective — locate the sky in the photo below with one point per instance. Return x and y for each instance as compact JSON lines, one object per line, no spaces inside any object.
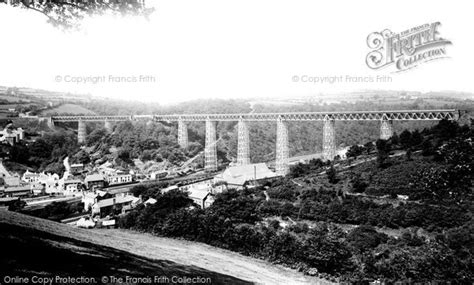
{"x":231,"y":49}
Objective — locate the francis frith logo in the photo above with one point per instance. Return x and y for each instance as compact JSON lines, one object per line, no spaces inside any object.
{"x":407,"y":49}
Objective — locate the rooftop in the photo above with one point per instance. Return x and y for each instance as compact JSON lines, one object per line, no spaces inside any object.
{"x":198,"y":193}
{"x":116,"y":200}
{"x":238,"y":175}
{"x":72,"y":181}
{"x":94,"y":177}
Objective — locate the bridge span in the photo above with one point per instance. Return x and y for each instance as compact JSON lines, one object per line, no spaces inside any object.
{"x":385,"y":118}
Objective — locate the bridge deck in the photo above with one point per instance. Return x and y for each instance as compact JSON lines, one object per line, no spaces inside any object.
{"x":400,"y":115}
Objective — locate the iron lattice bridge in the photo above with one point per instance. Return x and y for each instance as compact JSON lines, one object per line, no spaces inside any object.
{"x":403,"y":115}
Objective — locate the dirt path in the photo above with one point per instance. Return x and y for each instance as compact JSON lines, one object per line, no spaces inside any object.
{"x":179,"y":251}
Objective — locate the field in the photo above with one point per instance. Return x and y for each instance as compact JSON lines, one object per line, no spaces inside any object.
{"x":32,"y":246}
{"x":72,"y":109}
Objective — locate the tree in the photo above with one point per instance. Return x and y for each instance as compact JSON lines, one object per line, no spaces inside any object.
{"x":95,"y":136}
{"x":359,"y":185}
{"x":332,"y":175}
{"x":383,"y":151}
{"x":395,"y":139}
{"x":405,"y":139}
{"x":68,"y":14}
{"x":427,"y":148}
{"x":82,"y":157}
{"x":355,"y":151}
{"x":364,"y":238}
{"x":16,"y":205}
{"x":416,"y":138}
{"x":124,"y":155}
{"x":369,"y":146}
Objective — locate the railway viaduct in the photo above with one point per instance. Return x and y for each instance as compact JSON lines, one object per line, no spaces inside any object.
{"x":328,"y":119}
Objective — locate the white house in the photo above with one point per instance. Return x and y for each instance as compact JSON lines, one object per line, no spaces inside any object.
{"x":11,"y":135}
{"x":51,"y":182}
{"x":12,"y":180}
{"x":90,"y":198}
{"x":30,"y":177}
{"x":208,"y":183}
{"x":119,"y":178}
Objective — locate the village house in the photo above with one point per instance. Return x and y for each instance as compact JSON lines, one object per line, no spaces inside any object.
{"x":237,"y":177}
{"x":209,"y":183}
{"x":94,"y":181}
{"x":37,"y":189}
{"x":12,"y":180}
{"x":201,"y":195}
{"x":30,"y":177}
{"x":16,"y":191}
{"x":114,"y":205}
{"x":51,"y":182}
{"x":119,"y":178}
{"x":72,"y":186}
{"x":90,"y":198}
{"x":76,"y":168}
{"x":156,"y":175}
{"x":150,"y":201}
{"x":107,"y":171}
{"x":169,"y":188}
{"x":11,"y":136}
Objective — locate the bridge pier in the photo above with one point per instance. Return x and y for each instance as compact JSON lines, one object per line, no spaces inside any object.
{"x":81,"y":132}
{"x":50,"y":123}
{"x":282,"y":153}
{"x":108,"y":126}
{"x":386,"y":130}
{"x":182,"y":134}
{"x":329,"y":139}
{"x":243,"y":153}
{"x":210,"y":150}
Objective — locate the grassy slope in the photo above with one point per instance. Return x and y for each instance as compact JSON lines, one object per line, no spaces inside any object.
{"x":68,"y":109}
{"x":30,"y":245}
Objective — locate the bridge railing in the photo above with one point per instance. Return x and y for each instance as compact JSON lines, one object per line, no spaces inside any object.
{"x":396,"y":115}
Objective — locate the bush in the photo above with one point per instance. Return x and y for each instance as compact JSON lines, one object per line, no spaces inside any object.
{"x":365,"y":238}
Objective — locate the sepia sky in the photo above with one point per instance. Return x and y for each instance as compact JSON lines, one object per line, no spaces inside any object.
{"x":231,"y":49}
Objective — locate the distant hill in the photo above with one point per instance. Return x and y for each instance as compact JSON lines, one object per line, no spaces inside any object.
{"x":70,"y":109}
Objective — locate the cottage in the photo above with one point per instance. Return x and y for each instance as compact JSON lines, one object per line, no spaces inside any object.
{"x":119,"y":179}
{"x":169,"y":188}
{"x":94,"y":181}
{"x":12,"y":180}
{"x":114,"y":205}
{"x":72,"y":186}
{"x":51,"y":183}
{"x":30,"y":177}
{"x":16,"y":191}
{"x":11,"y":135}
{"x":107,"y":171}
{"x":77,"y":168}
{"x":208,"y":183}
{"x":150,"y":201}
{"x":90,"y":198}
{"x":201,"y":196}
{"x":37,"y":189}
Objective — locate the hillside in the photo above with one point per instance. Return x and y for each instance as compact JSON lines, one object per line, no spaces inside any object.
{"x":70,"y":109}
{"x":397,"y":211}
{"x":25,"y":241}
